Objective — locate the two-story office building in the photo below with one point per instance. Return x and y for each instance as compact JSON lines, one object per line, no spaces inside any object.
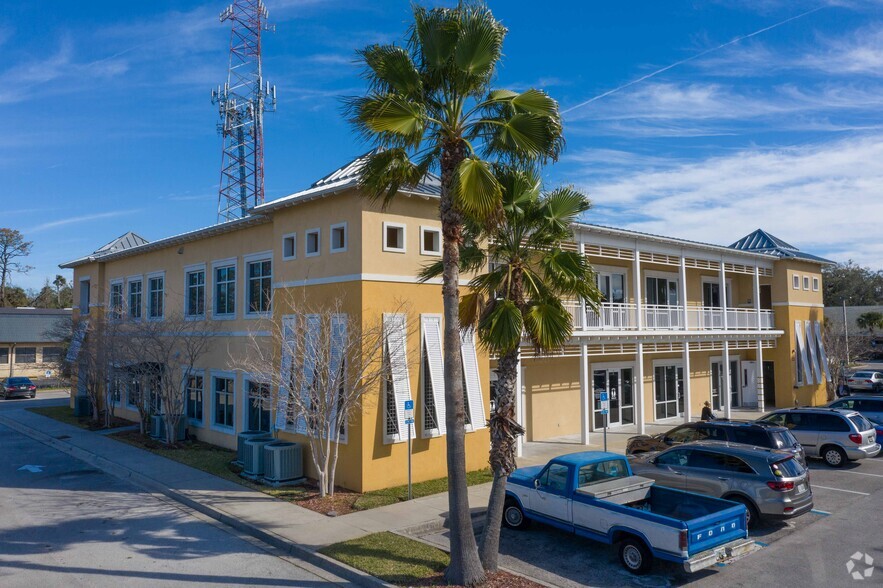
{"x":679,"y":320}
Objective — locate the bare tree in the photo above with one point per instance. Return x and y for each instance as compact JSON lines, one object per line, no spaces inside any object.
{"x":321,"y":365}
{"x":12,"y":247}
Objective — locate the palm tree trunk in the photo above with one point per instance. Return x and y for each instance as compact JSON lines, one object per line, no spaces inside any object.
{"x":504,"y":435}
{"x":465,"y":567}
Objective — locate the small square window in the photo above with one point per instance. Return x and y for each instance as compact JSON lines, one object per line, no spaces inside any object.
{"x":338,"y":238}
{"x":430,"y":241}
{"x":795,"y":282}
{"x":394,"y":237}
{"x":815,"y":284}
{"x":806,"y":282}
{"x":312,"y":246}
{"x":289,"y":246}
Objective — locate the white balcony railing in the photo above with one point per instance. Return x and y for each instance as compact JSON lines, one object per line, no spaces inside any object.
{"x":623,"y":317}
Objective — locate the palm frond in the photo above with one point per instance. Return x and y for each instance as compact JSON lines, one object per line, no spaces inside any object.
{"x":548,"y":324}
{"x":385,"y":172}
{"x":476,"y":190}
{"x":479,"y":45}
{"x":501,"y":325}
{"x":390,"y":69}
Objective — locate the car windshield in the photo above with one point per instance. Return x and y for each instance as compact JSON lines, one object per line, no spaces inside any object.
{"x":783,"y":439}
{"x":787,"y":468}
{"x":860,"y":422}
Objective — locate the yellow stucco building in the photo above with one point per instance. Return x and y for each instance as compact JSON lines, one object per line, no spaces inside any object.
{"x":664,"y":341}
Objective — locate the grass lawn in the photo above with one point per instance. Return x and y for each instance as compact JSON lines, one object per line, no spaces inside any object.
{"x":377,"y":498}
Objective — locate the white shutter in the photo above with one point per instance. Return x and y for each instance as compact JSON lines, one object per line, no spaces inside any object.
{"x":800,"y":352}
{"x":812,"y":348}
{"x":472,"y":378}
{"x":311,"y":344}
{"x":394,"y":328}
{"x":823,"y":357}
{"x":433,"y":346}
{"x":338,"y":339}
{"x":289,"y":341}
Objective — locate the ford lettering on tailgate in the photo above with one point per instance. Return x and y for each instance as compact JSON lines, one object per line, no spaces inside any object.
{"x":711,"y":533}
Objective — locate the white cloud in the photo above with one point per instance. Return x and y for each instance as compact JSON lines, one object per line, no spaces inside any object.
{"x":76,"y":220}
{"x":824,"y":198}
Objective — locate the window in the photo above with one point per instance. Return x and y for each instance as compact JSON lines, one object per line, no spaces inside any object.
{"x":797,"y":421}
{"x":260,"y":286}
{"x":795,"y":282}
{"x":394,"y":237}
{"x":51,"y":354}
{"x":4,"y":354}
{"x":25,"y":355}
{"x":709,"y":460}
{"x":430,"y":241}
{"x":289,"y":246}
{"x":833,"y":423}
{"x":806,"y":282}
{"x":601,"y":472}
{"x":677,"y":457}
{"x":225,"y":291}
{"x":85,"y":295}
{"x":338,"y":238}
{"x":135,"y":293}
{"x":116,"y":300}
{"x":554,"y":479}
{"x":313,"y":239}
{"x":712,"y":433}
{"x":116,"y":388}
{"x":391,"y":420}
{"x":776,"y":418}
{"x":612,"y":286}
{"x":258,"y":406}
{"x":133,"y":392}
{"x":662,"y":291}
{"x":223,"y":401}
{"x":194,"y":398}
{"x":195,"y":293}
{"x":751,"y":436}
{"x":815,"y":284}
{"x":155,"y":287}
{"x":683,"y":434}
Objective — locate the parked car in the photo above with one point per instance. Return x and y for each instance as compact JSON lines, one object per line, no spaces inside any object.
{"x":878,"y":427}
{"x":770,"y":483}
{"x":870,"y":406}
{"x":867,"y":381}
{"x":18,"y":387}
{"x":594,"y":494}
{"x":835,"y":435}
{"x":748,"y":432}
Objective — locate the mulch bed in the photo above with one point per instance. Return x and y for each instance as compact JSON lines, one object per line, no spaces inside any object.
{"x":341,"y":503}
{"x":498,"y":579}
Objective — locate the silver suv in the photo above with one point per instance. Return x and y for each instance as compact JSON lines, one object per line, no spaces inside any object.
{"x":771,"y":483}
{"x":835,"y":435}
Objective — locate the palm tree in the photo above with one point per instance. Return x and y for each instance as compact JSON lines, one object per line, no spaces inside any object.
{"x":870,"y":321}
{"x":527,"y":276}
{"x":430,"y":107}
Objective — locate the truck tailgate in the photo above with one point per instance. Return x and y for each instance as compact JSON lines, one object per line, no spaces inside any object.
{"x":717,"y":528}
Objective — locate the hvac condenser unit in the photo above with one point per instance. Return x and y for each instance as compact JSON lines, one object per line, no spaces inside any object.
{"x":283,"y":462}
{"x":82,"y":406}
{"x":242,"y":438}
{"x":253,"y":456}
{"x":158,"y":427}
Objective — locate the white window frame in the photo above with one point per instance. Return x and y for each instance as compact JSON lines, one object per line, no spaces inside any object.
{"x":195,"y":422}
{"x":129,"y":281}
{"x":189,"y":269}
{"x":214,"y":375}
{"x":290,"y":237}
{"x":246,"y":261}
{"x":423,"y":230}
{"x":806,"y":283}
{"x":318,"y":232}
{"x":153,"y":276}
{"x":714,"y":280}
{"x":429,"y":332}
{"x":670,"y":276}
{"x":391,"y":225}
{"x":795,"y":281}
{"x":816,"y":283}
{"x":216,"y":265}
{"x":121,"y":282}
{"x":346,"y":238}
{"x":246,"y":379}
{"x":676,"y":363}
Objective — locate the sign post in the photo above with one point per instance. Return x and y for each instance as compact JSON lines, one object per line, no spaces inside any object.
{"x":409,"y":420}
{"x":605,"y":410}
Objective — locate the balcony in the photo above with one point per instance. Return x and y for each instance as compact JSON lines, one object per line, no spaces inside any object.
{"x":623,"y":317}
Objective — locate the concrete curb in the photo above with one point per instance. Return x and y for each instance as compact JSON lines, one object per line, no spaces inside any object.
{"x":315,"y":558}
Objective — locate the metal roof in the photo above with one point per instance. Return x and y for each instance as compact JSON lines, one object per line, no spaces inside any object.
{"x":122,"y":242}
{"x":762,"y":242}
{"x":30,"y":325}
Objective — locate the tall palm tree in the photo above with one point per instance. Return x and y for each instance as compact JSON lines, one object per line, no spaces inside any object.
{"x":430,"y":107}
{"x":527,"y":276}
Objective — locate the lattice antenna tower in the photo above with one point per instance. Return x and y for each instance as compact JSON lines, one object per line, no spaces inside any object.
{"x":242,"y":102}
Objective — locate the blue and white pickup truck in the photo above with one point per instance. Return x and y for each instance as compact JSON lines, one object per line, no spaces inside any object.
{"x":595,"y":495}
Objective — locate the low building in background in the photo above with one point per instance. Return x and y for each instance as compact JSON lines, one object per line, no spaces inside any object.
{"x":31,"y":344}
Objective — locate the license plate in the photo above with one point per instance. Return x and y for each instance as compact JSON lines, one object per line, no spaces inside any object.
{"x":801,"y":488}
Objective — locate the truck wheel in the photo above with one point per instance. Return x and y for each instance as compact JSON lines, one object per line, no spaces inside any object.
{"x":834,"y":456}
{"x":635,"y":556}
{"x":513,"y":516}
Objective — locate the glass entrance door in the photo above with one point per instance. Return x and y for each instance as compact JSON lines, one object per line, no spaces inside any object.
{"x":717,"y":380}
{"x":617,"y":382}
{"x":668,"y":383}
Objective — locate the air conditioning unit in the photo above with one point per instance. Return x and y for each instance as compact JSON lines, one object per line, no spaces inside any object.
{"x":82,"y":406}
{"x":253,"y":456}
{"x":283,"y":462}
{"x":158,"y":427}
{"x":242,"y":438}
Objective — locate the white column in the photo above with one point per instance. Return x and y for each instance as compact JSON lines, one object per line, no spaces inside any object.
{"x":723,"y":294}
{"x":585,"y":397}
{"x":759,"y":376}
{"x":757,"y":295}
{"x":726,"y":387}
{"x":639,"y":384}
{"x":688,"y":412}
{"x":519,"y":409}
{"x":683,"y":288}
{"x":582,"y":301}
{"x":638,"y":291}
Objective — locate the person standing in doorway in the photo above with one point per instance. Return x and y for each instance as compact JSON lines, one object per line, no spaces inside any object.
{"x":707,"y":413}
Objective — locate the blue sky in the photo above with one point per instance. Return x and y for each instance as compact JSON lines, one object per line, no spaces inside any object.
{"x":109,"y":125}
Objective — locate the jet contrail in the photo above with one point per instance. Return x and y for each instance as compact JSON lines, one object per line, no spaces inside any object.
{"x":691,"y":58}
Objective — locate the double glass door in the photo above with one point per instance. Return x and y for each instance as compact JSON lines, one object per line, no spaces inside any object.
{"x":717,"y":384}
{"x":668,"y":386}
{"x":619,"y":385}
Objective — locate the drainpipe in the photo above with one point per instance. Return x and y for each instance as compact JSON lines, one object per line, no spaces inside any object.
{"x":11,"y":359}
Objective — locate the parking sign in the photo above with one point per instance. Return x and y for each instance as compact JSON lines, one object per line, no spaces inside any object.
{"x":409,"y":412}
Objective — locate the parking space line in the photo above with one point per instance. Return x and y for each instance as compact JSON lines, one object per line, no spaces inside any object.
{"x":840,"y":490}
{"x":824,"y":513}
{"x":863,"y":474}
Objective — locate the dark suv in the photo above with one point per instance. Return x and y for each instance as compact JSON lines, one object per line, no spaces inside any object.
{"x":750,"y":433}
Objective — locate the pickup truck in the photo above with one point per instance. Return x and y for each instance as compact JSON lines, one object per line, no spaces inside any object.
{"x":595,"y":495}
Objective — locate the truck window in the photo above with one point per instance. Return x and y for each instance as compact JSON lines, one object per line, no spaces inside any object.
{"x":595,"y":473}
{"x":554,"y":479}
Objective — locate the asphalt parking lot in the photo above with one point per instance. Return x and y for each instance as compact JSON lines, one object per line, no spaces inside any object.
{"x":563,"y":559}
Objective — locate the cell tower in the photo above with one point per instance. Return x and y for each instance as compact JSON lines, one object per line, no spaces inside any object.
{"x":242,"y":102}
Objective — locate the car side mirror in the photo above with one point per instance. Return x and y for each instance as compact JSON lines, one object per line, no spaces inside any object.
{"x":536,"y":483}
{"x":667,"y":440}
{"x":653,"y":460}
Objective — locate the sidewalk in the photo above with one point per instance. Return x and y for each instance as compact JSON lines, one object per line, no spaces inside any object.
{"x":287,"y":526}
